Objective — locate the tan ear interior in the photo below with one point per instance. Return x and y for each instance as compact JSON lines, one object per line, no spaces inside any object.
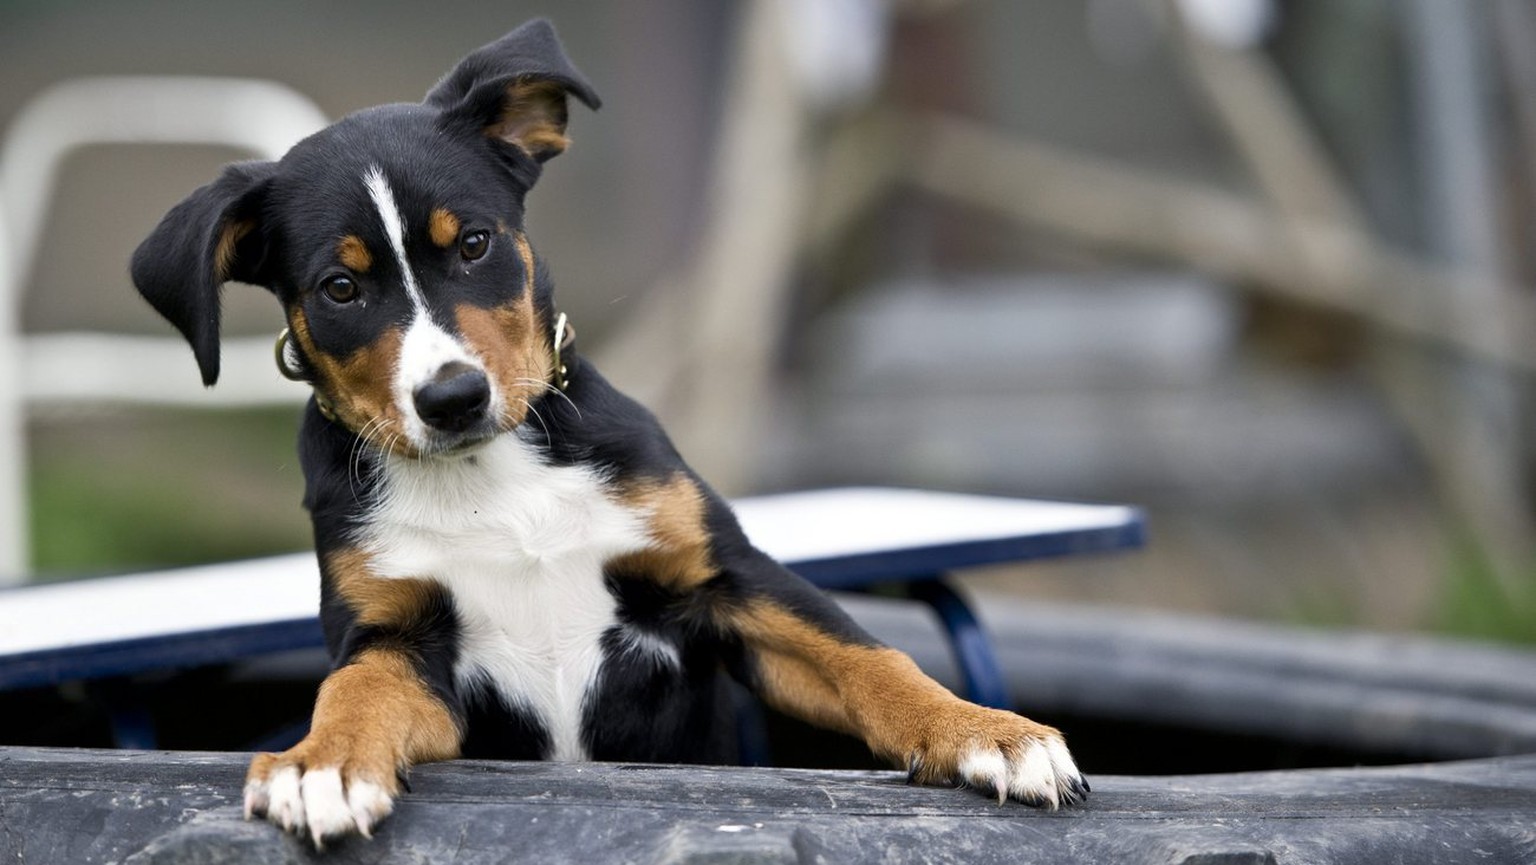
{"x":224,"y":252}
{"x":533,"y":117}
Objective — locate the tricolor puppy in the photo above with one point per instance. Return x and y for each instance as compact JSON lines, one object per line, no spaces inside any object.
{"x":516,"y":562}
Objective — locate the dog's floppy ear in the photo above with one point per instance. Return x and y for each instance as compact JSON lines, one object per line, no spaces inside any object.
{"x":210,"y":238}
{"x":514,"y":89}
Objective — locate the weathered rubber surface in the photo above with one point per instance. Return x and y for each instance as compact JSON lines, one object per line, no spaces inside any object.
{"x":78,"y":806}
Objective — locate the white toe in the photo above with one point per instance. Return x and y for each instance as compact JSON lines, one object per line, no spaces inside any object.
{"x":986,"y":769}
{"x":285,"y":805}
{"x":369,"y":804}
{"x":256,"y":798}
{"x":325,"y":805}
{"x":1062,"y":763}
{"x":1034,"y":778}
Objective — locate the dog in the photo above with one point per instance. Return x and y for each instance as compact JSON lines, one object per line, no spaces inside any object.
{"x":515,"y":561}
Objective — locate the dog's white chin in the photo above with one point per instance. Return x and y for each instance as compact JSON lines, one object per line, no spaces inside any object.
{"x":460,"y":447}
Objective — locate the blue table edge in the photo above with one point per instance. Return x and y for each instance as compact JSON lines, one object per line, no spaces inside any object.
{"x":851,"y":572}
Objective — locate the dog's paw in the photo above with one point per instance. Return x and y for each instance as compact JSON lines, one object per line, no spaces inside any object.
{"x":1000,"y":754}
{"x":323,"y":800}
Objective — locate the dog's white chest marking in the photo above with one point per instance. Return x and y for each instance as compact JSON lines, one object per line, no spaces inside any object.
{"x":520,"y":546}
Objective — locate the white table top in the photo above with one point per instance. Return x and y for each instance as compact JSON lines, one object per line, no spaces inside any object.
{"x":837,"y":523}
{"x":837,"y":538}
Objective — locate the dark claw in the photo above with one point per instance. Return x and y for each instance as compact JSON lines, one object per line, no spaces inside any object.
{"x":1077,"y":790}
{"x":914,"y":765}
{"x":1033,"y":800}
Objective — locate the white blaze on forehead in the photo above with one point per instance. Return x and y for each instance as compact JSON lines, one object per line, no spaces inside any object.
{"x":426,"y":347}
{"x":394,"y":228}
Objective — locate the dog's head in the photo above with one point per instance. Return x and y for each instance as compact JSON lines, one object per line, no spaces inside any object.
{"x":394,"y":241}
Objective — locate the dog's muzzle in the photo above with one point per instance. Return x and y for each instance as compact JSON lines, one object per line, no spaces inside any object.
{"x":456,"y":399}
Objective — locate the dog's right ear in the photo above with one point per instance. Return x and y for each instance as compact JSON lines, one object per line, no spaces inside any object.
{"x":212,"y":237}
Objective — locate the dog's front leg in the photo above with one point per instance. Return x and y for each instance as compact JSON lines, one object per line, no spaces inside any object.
{"x":373,"y":719}
{"x":808,"y":659}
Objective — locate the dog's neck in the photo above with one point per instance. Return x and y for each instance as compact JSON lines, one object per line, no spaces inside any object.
{"x":291,"y":368}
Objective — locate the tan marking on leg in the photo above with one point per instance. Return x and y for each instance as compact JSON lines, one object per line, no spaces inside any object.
{"x":443,"y":227}
{"x":373,"y":719}
{"x":379,"y":699}
{"x":375,"y":600}
{"x":796,"y":687}
{"x":353,"y":254}
{"x":678,"y":556}
{"x":224,"y":251}
{"x":873,"y":691}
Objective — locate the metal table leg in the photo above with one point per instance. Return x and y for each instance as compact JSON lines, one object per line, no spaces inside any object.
{"x":984,"y":683}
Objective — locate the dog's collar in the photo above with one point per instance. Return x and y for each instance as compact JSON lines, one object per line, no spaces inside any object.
{"x":292,"y":368}
{"x":565,"y":340}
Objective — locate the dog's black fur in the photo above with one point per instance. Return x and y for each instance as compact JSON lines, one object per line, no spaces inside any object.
{"x":454,"y":444}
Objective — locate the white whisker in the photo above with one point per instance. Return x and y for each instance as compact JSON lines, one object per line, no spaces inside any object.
{"x":548,"y":387}
{"x":538,"y":417}
{"x":355,"y":458}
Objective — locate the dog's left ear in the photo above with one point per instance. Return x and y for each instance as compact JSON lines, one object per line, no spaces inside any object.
{"x":514,"y":89}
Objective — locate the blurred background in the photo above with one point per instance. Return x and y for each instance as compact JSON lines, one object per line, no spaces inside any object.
{"x":1262,"y":267}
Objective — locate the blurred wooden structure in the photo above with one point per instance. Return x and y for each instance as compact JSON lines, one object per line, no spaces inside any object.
{"x":1450,"y":328}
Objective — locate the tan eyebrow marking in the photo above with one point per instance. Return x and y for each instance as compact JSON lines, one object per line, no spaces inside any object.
{"x":443,"y":227}
{"x":354,"y":254}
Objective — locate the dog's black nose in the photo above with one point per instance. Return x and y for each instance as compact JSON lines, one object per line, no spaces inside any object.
{"x":455,"y":399}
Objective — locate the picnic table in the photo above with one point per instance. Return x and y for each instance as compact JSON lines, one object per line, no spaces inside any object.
{"x":857,"y":539}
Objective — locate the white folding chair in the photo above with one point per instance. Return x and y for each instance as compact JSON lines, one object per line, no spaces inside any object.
{"x":262,"y":117}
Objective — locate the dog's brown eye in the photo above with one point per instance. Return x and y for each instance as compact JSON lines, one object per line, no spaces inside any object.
{"x":474,"y":244}
{"x":339,"y":289}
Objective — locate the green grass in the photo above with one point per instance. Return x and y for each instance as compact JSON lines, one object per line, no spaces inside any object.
{"x":1476,"y":602}
{"x":142,"y":490}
